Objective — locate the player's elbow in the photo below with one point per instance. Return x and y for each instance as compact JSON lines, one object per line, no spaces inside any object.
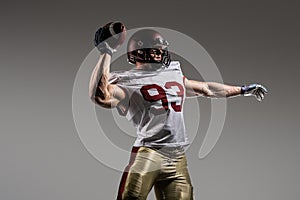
{"x":94,"y":99}
{"x":97,"y":94}
{"x":92,"y":96}
{"x":101,"y":99}
{"x":102,"y":102}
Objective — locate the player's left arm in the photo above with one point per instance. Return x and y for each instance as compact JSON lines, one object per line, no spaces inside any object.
{"x":218,"y":90}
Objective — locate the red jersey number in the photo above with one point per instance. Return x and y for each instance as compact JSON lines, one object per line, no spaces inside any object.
{"x":161,"y":95}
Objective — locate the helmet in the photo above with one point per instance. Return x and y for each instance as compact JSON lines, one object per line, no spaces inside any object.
{"x":144,"y":45}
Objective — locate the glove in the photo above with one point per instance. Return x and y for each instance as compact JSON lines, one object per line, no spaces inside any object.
{"x":109,"y":37}
{"x":101,"y":44}
{"x":256,"y":90}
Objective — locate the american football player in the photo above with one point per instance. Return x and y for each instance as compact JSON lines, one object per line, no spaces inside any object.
{"x":151,"y":96}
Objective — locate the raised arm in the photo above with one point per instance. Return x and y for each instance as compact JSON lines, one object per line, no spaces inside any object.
{"x":101,"y":91}
{"x":218,"y":90}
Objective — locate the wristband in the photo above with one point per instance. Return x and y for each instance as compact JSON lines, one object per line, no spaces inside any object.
{"x":103,"y":48}
{"x":106,"y":50}
{"x":245,"y":89}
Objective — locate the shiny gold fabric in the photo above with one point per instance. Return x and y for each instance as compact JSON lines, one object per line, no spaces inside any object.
{"x":167,"y":172}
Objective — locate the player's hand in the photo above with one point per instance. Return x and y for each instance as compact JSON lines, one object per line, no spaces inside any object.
{"x":109,"y":37}
{"x":103,"y":46}
{"x":256,"y":90}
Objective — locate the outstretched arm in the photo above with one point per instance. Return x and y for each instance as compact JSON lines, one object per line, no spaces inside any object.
{"x":218,"y":90}
{"x":210,"y":89}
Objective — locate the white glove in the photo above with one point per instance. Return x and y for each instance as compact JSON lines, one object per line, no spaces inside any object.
{"x":256,"y":90}
{"x":104,"y":47}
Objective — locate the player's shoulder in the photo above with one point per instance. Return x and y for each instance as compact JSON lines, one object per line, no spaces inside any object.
{"x":174,"y":66}
{"x":127,"y":76}
{"x":117,"y":76}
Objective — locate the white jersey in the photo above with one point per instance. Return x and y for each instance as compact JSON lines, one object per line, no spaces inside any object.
{"x":154,"y":105}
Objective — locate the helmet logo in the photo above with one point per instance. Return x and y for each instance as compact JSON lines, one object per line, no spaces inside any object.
{"x":160,"y":41}
{"x":140,"y":43}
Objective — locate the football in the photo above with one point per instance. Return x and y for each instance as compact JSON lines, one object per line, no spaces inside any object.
{"x":114,"y":33}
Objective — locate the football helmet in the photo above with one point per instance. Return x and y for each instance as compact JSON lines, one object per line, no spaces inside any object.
{"x":148,"y":46}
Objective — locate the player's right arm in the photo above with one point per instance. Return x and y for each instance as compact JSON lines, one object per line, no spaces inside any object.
{"x":101,"y":91}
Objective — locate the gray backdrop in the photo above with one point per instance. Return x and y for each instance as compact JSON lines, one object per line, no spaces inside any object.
{"x":44,"y":43}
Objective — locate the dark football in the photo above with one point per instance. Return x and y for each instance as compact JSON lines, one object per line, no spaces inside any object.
{"x":114,"y":34}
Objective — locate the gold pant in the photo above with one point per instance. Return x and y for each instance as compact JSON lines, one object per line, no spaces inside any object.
{"x":168,"y":173}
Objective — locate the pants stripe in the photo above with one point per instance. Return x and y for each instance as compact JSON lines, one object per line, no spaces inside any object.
{"x":125,"y":173}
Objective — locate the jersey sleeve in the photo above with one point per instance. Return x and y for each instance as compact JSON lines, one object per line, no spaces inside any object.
{"x":175,"y":65}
